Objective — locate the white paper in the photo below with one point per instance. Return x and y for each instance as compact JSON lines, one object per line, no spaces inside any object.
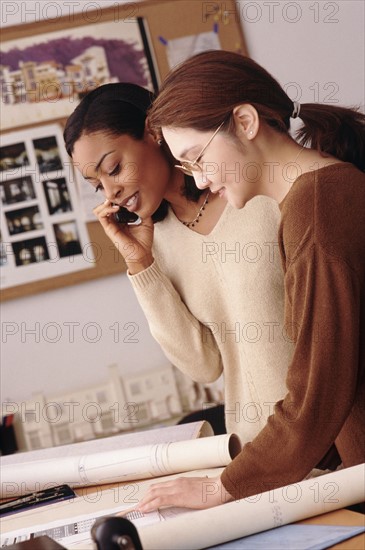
{"x":180,"y":49}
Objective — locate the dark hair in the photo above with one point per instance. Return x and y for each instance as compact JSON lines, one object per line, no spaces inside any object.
{"x":112,"y":108}
{"x":119,"y":108}
{"x":203,"y":91}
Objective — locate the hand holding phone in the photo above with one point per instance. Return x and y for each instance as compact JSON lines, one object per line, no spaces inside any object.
{"x":119,"y":225}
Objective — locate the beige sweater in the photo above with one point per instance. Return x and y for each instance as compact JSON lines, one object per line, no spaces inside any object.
{"x":215,"y":303}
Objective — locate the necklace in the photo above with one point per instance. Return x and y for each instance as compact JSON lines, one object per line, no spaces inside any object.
{"x":199,"y":214}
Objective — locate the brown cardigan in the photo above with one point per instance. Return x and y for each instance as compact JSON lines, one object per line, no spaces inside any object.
{"x":322,"y":243}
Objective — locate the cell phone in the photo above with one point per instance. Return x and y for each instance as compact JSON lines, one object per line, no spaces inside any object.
{"x":124,"y":216}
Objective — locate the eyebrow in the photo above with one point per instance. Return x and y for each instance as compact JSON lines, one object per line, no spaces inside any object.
{"x":187,"y":150}
{"x":99,"y":164}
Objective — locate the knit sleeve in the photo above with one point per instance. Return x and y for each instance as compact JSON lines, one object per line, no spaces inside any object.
{"x":187,"y":343}
{"x":322,"y":318}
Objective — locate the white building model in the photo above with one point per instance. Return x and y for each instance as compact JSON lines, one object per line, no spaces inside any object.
{"x":124,"y":403}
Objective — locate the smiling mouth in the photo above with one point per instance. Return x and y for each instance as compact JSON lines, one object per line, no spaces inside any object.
{"x":131,"y":201}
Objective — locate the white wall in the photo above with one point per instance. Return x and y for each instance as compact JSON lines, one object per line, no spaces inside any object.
{"x":318,"y":47}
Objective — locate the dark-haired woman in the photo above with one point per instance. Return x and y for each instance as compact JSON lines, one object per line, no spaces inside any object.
{"x":233,"y":110}
{"x":208,"y":277}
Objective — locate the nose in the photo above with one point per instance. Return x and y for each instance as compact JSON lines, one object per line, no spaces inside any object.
{"x":201,"y":180}
{"x":111,"y":187}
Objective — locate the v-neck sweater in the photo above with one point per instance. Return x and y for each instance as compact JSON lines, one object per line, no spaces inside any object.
{"x":215,"y":304}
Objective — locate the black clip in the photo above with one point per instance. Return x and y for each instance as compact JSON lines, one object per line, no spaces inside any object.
{"x":115,"y":533}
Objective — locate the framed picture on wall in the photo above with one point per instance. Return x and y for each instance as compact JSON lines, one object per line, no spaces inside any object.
{"x":42,"y":232}
{"x":44,"y":75}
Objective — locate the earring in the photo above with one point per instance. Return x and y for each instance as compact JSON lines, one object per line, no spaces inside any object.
{"x":160,"y":142}
{"x":250,"y":132}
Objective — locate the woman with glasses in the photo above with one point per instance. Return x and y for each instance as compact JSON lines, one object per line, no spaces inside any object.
{"x":208,"y":277}
{"x":236,"y":107}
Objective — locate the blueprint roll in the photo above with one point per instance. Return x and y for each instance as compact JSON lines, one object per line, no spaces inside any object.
{"x":119,"y":465}
{"x":234,"y":520}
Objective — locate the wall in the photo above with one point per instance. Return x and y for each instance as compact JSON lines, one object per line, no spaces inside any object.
{"x":315,"y":49}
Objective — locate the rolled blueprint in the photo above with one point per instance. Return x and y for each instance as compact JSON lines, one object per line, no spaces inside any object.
{"x":119,"y":465}
{"x":234,"y":520}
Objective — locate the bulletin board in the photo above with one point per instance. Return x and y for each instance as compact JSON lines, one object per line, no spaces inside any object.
{"x":169,"y":30}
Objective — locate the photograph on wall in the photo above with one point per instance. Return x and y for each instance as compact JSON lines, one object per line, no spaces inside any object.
{"x":30,"y":251}
{"x":13,"y":156}
{"x":57,"y":195}
{"x":23,"y":220}
{"x":51,"y":72}
{"x":47,"y":154}
{"x":43,"y":233}
{"x":67,"y":238}
{"x":17,"y":190}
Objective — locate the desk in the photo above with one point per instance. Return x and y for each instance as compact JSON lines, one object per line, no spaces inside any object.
{"x":342,"y":517}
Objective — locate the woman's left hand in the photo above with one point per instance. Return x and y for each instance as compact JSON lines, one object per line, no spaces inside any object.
{"x":185,"y":492}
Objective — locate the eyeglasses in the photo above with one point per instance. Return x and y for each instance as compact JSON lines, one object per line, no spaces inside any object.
{"x":191,"y":166}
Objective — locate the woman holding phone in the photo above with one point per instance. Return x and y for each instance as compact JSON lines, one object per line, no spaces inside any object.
{"x":208,"y":277}
{"x":227,"y":121}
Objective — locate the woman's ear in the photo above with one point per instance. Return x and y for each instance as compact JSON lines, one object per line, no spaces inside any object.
{"x":151,"y":134}
{"x":247,"y":120}
{"x":147,"y":127}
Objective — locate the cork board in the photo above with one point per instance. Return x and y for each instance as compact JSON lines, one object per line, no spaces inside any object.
{"x":169,"y":29}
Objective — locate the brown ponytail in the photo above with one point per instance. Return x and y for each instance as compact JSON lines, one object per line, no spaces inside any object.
{"x":334,"y":130}
{"x":203,"y":91}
